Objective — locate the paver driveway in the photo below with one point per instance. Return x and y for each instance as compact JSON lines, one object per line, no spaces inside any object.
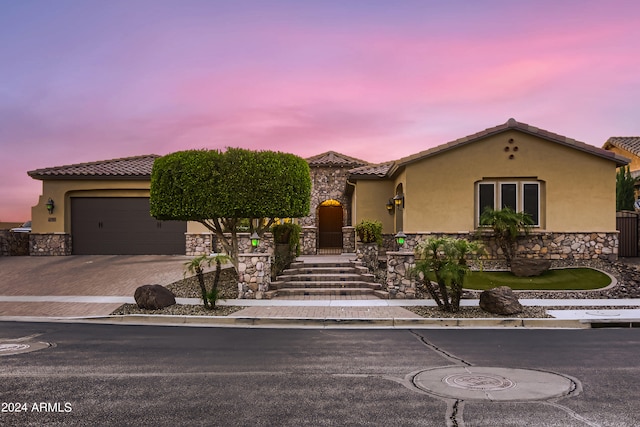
{"x":91,"y":275}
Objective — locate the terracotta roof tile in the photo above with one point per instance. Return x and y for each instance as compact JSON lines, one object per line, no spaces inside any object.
{"x":374,"y":171}
{"x":138,"y":167}
{"x":628,"y":143}
{"x":331,"y":158}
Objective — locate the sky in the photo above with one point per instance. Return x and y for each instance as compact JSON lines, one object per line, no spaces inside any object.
{"x":89,"y":80}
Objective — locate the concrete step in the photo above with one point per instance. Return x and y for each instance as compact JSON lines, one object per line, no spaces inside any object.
{"x":299,"y":264}
{"x":325,"y":278}
{"x":322,"y":270}
{"x":324,"y":292}
{"x":326,"y":285}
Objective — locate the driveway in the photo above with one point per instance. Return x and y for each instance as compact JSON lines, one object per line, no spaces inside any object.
{"x":81,"y":275}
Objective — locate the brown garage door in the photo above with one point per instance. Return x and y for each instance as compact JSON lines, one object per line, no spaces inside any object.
{"x":122,"y":226}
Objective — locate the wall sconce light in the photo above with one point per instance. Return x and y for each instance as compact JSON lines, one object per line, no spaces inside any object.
{"x":398,"y":200}
{"x":390,"y":206}
{"x":255,"y":240}
{"x":50,"y":205}
{"x":400,"y":238}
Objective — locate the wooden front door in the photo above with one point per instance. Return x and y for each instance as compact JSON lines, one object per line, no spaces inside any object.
{"x":330,"y":227}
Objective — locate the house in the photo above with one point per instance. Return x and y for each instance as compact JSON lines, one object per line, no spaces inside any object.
{"x":629,"y":147}
{"x":102,"y":207}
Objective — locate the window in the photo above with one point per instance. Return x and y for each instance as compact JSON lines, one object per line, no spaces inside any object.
{"x":517,"y":195}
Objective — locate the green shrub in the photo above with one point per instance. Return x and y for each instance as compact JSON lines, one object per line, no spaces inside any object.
{"x":369,"y":231}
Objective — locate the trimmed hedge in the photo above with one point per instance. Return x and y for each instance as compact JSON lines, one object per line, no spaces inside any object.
{"x":196,"y":185}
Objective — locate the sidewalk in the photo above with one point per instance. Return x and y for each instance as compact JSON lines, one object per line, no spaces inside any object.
{"x":317,"y":313}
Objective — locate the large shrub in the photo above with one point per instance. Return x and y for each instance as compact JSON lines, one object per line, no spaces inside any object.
{"x":222,"y":190}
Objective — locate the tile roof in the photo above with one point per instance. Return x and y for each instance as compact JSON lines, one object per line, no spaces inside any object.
{"x":138,"y":167}
{"x":628,"y":143}
{"x":373,"y":171}
{"x":522,"y":127}
{"x":331,"y":158}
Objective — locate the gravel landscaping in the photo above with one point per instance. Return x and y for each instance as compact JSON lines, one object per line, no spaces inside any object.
{"x":626,"y":274}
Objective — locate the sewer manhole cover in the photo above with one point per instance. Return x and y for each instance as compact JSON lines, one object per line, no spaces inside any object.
{"x":7,"y":349}
{"x":493,"y":383}
{"x":487,"y":382}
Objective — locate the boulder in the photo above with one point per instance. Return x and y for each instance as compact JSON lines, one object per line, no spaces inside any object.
{"x":154,"y":297}
{"x":500,"y":300}
{"x":524,"y":267}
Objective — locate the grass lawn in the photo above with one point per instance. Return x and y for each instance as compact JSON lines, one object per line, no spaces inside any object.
{"x":567,"y":279}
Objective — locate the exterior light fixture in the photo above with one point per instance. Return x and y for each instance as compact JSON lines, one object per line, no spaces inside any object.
{"x":400,"y":238}
{"x":398,"y":200}
{"x":50,"y":205}
{"x":255,"y":240}
{"x":390,"y":206}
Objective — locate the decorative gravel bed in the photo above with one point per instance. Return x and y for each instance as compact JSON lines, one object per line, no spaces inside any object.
{"x":189,"y":288}
{"x":627,"y":275}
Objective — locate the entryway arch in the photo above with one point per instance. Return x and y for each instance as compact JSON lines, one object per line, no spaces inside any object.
{"x":330,"y":220}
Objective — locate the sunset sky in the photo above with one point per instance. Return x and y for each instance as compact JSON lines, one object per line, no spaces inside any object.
{"x":91,"y":80}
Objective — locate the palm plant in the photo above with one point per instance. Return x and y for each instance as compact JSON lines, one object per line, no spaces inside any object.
{"x":196,"y":266}
{"x":445,"y":259}
{"x":507,"y":226}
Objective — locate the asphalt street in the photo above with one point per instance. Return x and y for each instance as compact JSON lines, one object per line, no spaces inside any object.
{"x":88,"y":374}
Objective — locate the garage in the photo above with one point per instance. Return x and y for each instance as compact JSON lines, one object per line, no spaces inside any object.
{"x":122,"y":226}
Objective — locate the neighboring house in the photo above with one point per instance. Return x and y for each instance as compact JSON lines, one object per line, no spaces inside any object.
{"x":627,"y":146}
{"x":440,"y":190}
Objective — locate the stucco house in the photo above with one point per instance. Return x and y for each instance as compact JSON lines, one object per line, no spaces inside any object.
{"x":102,"y":207}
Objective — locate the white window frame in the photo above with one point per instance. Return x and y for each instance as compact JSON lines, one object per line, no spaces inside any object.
{"x":497,"y":196}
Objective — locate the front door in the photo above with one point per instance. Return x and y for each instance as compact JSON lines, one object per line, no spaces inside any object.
{"x":330,"y":225}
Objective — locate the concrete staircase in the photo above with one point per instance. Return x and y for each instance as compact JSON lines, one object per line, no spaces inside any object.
{"x":326,"y":279}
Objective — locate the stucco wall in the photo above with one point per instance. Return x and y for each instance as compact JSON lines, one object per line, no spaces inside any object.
{"x":578,"y":191}
{"x":370,"y":200}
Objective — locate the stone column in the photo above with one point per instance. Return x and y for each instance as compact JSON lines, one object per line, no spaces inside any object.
{"x":254,"y":275}
{"x":54,"y":244}
{"x":309,"y":239}
{"x":348,"y":240}
{"x":399,"y":283}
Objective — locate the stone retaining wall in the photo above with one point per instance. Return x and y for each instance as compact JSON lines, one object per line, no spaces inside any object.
{"x":205,"y":243}
{"x":367,"y":254}
{"x":56,"y":244}
{"x":254,"y":275}
{"x":543,"y":245}
{"x":4,"y":242}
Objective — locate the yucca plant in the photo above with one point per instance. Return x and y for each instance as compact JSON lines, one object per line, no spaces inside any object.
{"x":507,"y":226}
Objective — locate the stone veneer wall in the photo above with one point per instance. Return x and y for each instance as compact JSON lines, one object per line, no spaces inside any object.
{"x":50,"y":244}
{"x":348,"y":240}
{"x":4,"y":242}
{"x":254,"y":275}
{"x":205,"y":243}
{"x":367,"y":254}
{"x":309,"y":238}
{"x":553,"y":246}
{"x":328,"y":183}
{"x":542,"y":245}
{"x":399,"y":284}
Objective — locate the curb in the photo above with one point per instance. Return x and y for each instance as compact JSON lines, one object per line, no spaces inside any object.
{"x":319,"y":323}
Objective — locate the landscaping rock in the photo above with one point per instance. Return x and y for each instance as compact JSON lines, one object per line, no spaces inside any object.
{"x":524,"y":267}
{"x":154,"y":297}
{"x":500,"y":300}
